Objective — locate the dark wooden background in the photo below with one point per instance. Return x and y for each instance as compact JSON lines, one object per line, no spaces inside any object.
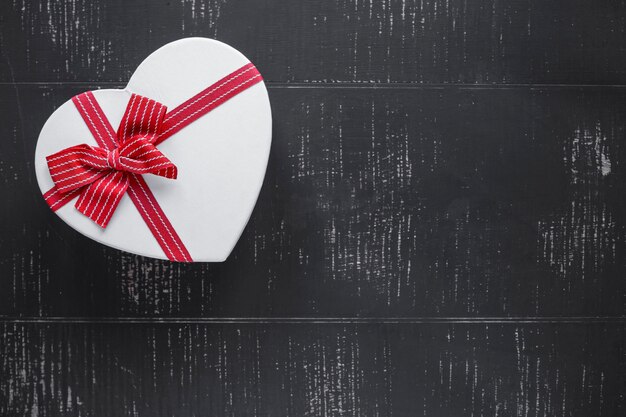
{"x":441,"y":231}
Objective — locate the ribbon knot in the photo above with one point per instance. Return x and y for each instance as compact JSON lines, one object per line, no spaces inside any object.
{"x":102,"y":175}
{"x":113,"y":158}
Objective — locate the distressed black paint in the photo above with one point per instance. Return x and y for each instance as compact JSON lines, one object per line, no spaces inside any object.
{"x":318,"y":370}
{"x":356,"y":41}
{"x":425,"y":202}
{"x":435,"y":236}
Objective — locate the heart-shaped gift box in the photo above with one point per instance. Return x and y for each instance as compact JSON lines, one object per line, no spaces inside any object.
{"x":220,"y":157}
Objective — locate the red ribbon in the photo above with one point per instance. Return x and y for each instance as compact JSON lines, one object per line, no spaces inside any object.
{"x":100,"y":176}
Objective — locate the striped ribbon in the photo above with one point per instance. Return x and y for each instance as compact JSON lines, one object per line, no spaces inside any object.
{"x":100,"y":176}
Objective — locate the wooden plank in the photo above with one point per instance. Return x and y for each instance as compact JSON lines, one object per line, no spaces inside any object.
{"x":377,"y":202}
{"x":321,"y":370}
{"x":414,"y":41}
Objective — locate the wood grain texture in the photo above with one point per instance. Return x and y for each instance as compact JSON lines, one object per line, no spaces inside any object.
{"x":356,"y":41}
{"x":377,"y":203}
{"x":435,"y":235}
{"x":312,"y":370}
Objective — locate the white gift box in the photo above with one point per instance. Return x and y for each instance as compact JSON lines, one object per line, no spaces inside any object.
{"x":221,"y":157}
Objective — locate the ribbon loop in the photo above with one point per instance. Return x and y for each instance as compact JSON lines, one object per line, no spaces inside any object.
{"x":143,"y":118}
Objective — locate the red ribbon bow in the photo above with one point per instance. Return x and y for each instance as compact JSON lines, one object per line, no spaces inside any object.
{"x":102,"y":174}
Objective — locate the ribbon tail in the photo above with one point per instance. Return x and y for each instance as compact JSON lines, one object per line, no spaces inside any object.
{"x":170,"y":172}
{"x":56,"y":198}
{"x":100,"y":199}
